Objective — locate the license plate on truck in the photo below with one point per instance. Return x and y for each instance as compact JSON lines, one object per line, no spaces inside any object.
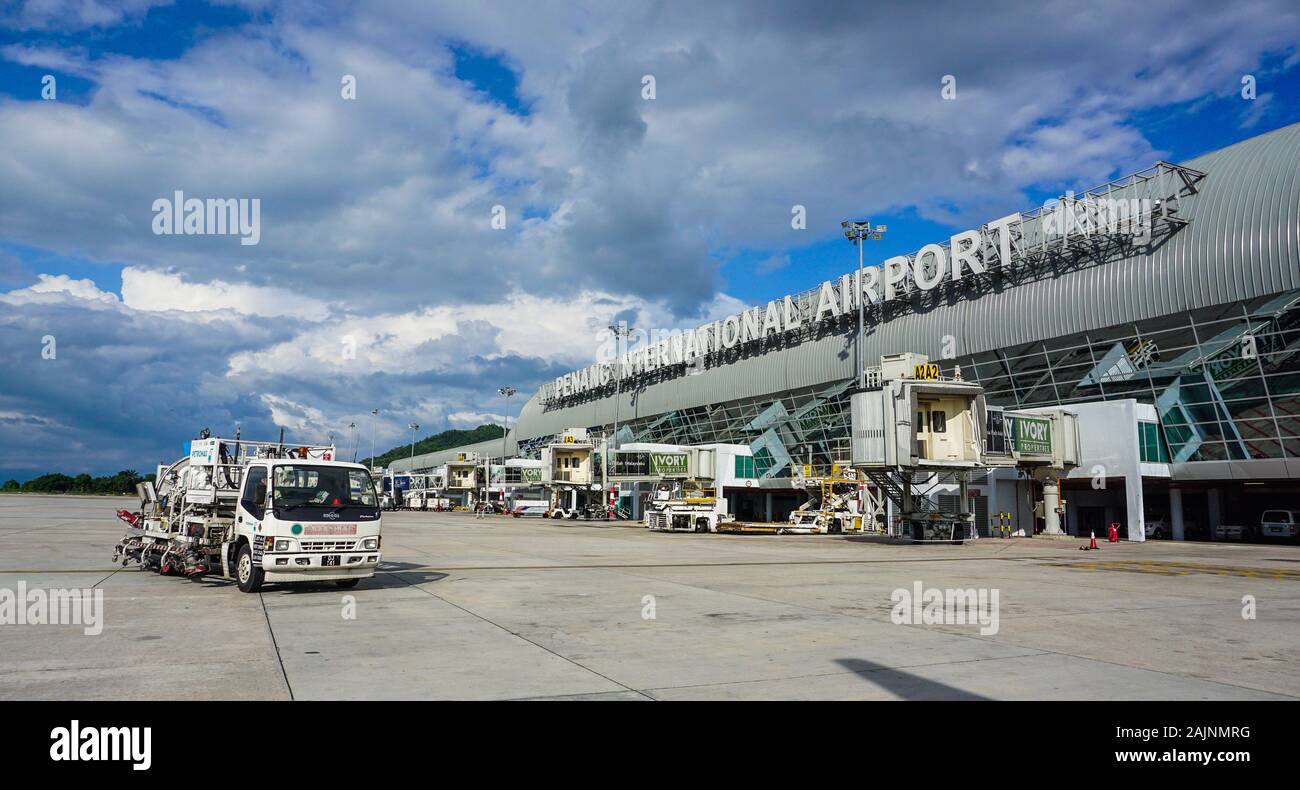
{"x":330,"y":559}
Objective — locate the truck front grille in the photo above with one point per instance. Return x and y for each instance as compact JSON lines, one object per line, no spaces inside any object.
{"x":326,"y":545}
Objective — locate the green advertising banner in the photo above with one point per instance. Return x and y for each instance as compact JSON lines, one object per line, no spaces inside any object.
{"x":531,"y":474}
{"x":668,"y":463}
{"x":1032,"y":436}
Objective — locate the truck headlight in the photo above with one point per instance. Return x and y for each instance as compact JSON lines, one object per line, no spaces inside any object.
{"x":282,"y":545}
{"x":370,"y":544}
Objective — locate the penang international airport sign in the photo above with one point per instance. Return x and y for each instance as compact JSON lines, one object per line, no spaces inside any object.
{"x":992,"y":248}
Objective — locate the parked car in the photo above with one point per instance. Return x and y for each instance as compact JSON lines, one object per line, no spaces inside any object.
{"x":1160,"y":529}
{"x":1233,"y":532}
{"x":1279,"y":524}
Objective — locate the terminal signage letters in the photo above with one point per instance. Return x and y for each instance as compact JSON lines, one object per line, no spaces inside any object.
{"x":1031,"y":435}
{"x":989,"y":249}
{"x":668,"y":463}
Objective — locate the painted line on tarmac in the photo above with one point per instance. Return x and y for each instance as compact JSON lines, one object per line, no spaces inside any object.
{"x":775,"y":563}
{"x":1170,"y":568}
{"x":600,"y":566}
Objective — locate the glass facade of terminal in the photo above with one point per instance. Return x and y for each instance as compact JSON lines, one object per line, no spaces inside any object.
{"x":1225,"y":382}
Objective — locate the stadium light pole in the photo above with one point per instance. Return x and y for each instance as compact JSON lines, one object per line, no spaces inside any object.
{"x":507,"y":393}
{"x":374,"y":415}
{"x":858,"y":231}
{"x":414,"y":426}
{"x":620,"y":330}
{"x":352,"y":430}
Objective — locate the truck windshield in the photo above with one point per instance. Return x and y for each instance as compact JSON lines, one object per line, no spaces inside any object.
{"x":322,"y":486}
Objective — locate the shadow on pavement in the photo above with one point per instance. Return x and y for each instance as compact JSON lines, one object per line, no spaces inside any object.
{"x":904,"y":684}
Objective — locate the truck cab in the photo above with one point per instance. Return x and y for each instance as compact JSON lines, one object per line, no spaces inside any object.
{"x":305,"y":520}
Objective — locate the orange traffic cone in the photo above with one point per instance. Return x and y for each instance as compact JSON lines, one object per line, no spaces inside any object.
{"x":1092,"y":542}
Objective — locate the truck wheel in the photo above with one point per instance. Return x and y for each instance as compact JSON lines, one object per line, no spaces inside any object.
{"x":247,"y":573}
{"x":347,"y":584}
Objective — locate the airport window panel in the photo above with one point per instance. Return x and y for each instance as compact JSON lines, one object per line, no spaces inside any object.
{"x":1263,"y":447}
{"x":1211,"y":451}
{"x":1284,"y":383}
{"x":1152,"y":446}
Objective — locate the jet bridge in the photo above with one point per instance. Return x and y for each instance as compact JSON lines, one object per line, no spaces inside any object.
{"x":910,"y":419}
{"x":1044,"y":443}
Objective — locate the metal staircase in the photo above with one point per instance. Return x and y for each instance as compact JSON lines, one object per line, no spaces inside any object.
{"x":893,"y":490}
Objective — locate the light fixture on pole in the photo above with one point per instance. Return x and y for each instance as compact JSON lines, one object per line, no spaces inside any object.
{"x":352,"y":439}
{"x":414,"y":426}
{"x":620,"y":330}
{"x":858,"y":231}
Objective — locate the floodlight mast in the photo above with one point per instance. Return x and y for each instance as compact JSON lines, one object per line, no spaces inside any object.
{"x":622,"y":330}
{"x":858,"y":231}
{"x":374,"y":414}
{"x":507,"y":393}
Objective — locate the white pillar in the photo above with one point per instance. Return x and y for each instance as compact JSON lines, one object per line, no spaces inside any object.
{"x":1051,"y":501}
{"x":767,"y":505}
{"x":1137,"y":530}
{"x":1176,"y":514}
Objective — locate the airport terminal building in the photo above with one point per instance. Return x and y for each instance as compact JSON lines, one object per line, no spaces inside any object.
{"x":1163,"y":307}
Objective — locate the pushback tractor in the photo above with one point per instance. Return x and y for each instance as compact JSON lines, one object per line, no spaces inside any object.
{"x":256,"y":512}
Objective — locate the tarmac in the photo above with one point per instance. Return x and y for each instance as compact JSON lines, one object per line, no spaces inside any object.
{"x":502,"y":608}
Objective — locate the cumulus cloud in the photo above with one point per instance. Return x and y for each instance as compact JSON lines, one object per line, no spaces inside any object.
{"x":75,"y":14}
{"x":473,"y":419}
{"x":143,"y":289}
{"x":56,"y":288}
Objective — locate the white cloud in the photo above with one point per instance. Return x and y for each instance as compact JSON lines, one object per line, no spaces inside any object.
{"x":473,"y":419}
{"x":296,"y":416}
{"x":143,"y":289}
{"x":76,"y":14}
{"x":55,"y":287}
{"x":569,"y":332}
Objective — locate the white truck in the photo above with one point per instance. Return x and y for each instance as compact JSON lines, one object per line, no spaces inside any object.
{"x":686,"y":506}
{"x":256,"y":512}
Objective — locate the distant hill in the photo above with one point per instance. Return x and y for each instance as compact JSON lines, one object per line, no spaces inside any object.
{"x":58,"y":483}
{"x":439,"y":441}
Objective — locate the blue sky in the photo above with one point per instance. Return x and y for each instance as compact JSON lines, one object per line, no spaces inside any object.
{"x":381,"y":282}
